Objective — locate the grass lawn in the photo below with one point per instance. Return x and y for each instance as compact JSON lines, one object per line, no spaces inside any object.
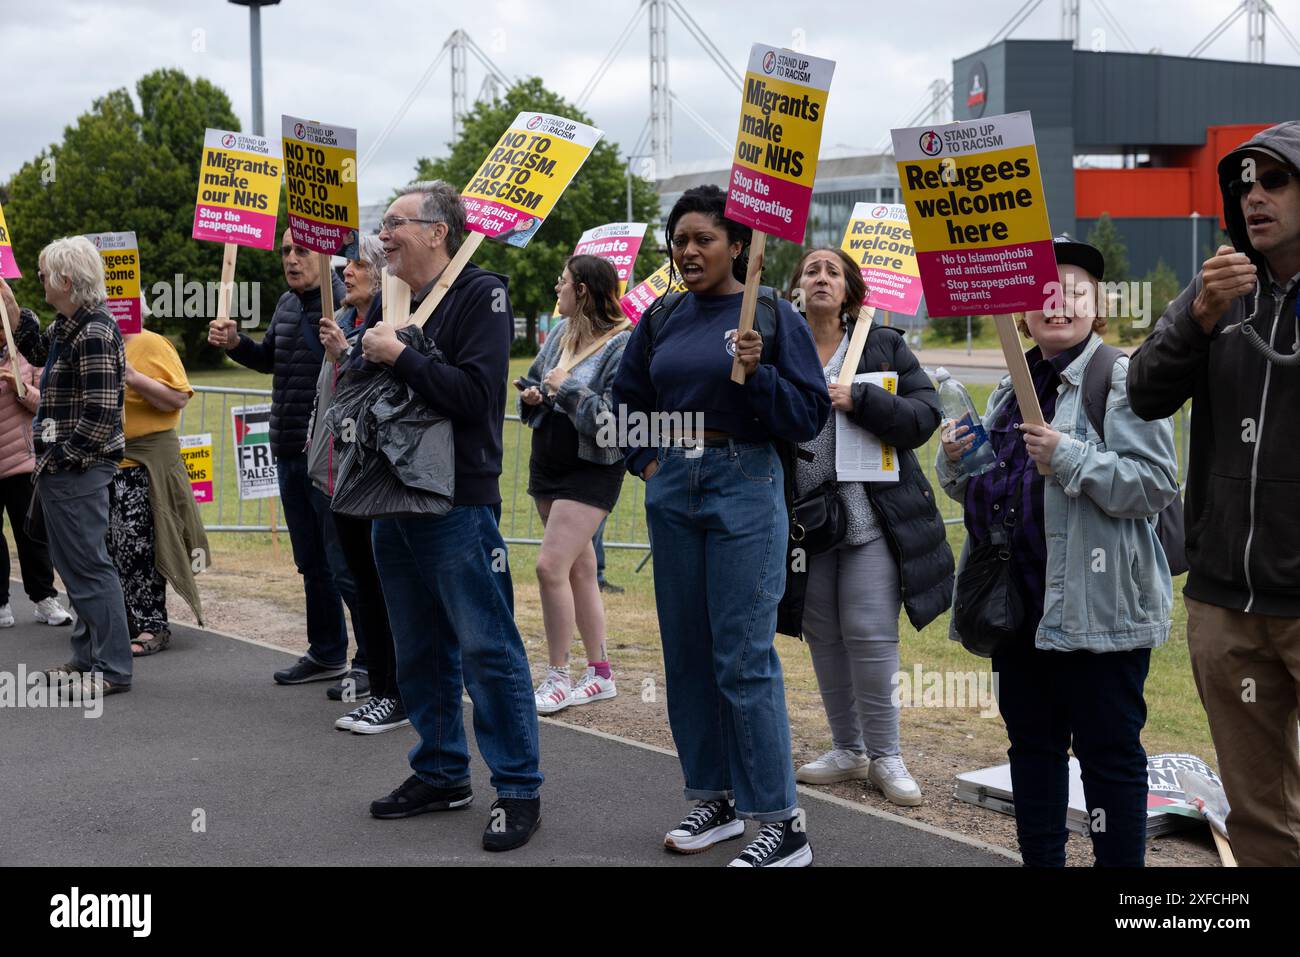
{"x":1176,"y":721}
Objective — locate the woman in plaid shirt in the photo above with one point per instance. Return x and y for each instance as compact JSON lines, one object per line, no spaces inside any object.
{"x":78,"y":442}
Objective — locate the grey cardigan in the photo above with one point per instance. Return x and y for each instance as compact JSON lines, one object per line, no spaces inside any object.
{"x":587,"y":406}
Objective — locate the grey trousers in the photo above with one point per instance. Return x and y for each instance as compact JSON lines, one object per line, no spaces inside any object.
{"x":850,"y":622}
{"x":76,"y":523}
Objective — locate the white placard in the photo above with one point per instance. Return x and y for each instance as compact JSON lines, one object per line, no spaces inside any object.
{"x":859,"y":455}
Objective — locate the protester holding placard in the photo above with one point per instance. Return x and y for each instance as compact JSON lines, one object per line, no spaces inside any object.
{"x":155,"y":535}
{"x":574,"y":480}
{"x":1076,"y":554}
{"x":16,"y":465}
{"x":447,"y":579}
{"x":78,"y":443}
{"x":1228,"y":344}
{"x":717,"y":510}
{"x":384,"y":711}
{"x":894,"y":543}
{"x":291,"y":353}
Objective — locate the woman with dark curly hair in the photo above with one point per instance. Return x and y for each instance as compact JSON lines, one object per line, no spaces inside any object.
{"x":718,"y":520}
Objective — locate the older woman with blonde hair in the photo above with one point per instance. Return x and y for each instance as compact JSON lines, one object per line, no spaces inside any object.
{"x":374,"y":672}
{"x":78,"y":443}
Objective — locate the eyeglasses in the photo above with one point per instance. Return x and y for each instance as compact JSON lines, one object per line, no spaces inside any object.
{"x":392,"y":223}
{"x":299,"y":251}
{"x":1272,"y":181}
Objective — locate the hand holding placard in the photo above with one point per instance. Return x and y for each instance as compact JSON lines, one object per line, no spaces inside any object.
{"x":775,"y":160}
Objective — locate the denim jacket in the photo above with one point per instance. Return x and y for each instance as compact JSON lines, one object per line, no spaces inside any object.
{"x":1108,"y":583}
{"x":585,"y":405}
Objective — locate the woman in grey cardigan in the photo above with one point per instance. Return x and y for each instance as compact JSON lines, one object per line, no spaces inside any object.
{"x":574,"y":479}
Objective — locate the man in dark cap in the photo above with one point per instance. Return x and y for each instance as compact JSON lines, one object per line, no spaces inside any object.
{"x":1230,"y":342}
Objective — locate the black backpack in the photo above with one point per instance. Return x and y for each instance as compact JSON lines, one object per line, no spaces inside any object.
{"x":1096,"y":386}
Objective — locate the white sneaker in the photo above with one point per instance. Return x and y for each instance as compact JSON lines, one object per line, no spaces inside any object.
{"x":552,"y":695}
{"x":891,"y":776}
{"x":833,"y":766}
{"x":592,"y":687}
{"x":50,"y":612}
{"x":6,"y":616}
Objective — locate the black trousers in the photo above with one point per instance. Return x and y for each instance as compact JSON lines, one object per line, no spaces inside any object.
{"x":33,"y":557}
{"x":381,"y":659}
{"x":1057,"y":701}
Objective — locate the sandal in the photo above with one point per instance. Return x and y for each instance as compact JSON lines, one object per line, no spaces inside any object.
{"x":150,"y":646}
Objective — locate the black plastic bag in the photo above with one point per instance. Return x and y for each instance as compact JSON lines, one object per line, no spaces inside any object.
{"x":396,"y":456}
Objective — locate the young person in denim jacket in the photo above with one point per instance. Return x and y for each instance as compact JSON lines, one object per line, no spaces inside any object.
{"x":1090,"y":569}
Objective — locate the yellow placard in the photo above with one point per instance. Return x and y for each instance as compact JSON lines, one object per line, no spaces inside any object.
{"x":320,"y":174}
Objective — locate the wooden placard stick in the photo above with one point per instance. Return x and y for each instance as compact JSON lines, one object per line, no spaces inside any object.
{"x":454,"y":269}
{"x":19,"y":387}
{"x":857,"y":343}
{"x":749,"y":302}
{"x":227,"y":287}
{"x":591,"y":348}
{"x":1226,"y":857}
{"x":1021,"y":381}
{"x":400,"y":293}
{"x":326,"y":286}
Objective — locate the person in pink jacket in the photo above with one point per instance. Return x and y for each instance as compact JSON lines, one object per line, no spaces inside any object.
{"x":16,"y":464}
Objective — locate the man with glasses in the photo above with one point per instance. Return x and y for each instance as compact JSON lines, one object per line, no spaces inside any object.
{"x":447,"y":579}
{"x":1231,"y":343}
{"x":292,"y":353}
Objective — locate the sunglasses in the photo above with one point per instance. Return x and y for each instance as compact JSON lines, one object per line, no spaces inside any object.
{"x":1272,"y":181}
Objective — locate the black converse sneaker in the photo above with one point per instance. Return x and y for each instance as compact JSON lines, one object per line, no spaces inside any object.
{"x":779,"y":844}
{"x":709,"y":823}
{"x":349,"y":720}
{"x":386,"y":714}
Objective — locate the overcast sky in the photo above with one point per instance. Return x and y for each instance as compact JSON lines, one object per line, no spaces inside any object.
{"x":353,"y":64}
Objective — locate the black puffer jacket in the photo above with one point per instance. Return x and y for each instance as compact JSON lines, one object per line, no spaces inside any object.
{"x":292,"y":353}
{"x":910,"y":518}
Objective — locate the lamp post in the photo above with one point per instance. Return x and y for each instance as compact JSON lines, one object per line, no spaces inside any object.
{"x":255,"y":54}
{"x":631,"y":276}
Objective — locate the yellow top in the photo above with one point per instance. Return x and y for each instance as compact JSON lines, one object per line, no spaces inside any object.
{"x":152,"y":355}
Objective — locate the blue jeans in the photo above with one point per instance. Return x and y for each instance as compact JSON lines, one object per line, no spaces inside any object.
{"x":322,"y":565}
{"x":450,"y":603}
{"x":1053,"y":701}
{"x":718,"y":527}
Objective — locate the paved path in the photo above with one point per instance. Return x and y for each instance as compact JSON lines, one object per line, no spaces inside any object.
{"x":205,"y":728}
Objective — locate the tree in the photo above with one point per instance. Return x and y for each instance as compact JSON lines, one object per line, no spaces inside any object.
{"x":1105,"y":236}
{"x":119,"y":168}
{"x":598,"y":194}
{"x":1164,"y":286}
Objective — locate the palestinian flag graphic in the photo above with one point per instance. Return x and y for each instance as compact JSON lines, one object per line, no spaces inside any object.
{"x":252,"y":426}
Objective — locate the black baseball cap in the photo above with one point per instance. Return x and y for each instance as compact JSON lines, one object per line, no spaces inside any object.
{"x":1070,"y":252}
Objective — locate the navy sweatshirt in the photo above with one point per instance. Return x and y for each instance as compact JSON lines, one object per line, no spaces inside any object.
{"x":473,"y":326}
{"x":690,"y":371}
{"x":292,"y":354}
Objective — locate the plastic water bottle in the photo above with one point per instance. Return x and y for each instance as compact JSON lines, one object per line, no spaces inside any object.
{"x":957,"y":405}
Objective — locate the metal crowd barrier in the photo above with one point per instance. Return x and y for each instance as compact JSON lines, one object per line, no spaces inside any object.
{"x":209,"y":412}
